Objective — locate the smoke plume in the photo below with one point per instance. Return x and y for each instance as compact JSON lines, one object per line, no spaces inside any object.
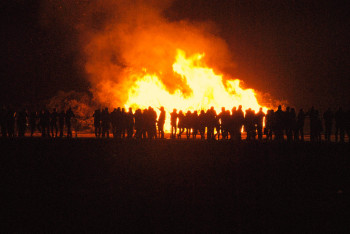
{"x":120,"y":40}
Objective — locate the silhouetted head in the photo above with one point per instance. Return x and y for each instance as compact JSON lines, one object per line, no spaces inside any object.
{"x":279,"y":107}
{"x":174,"y":110}
{"x":260,"y":109}
{"x":223,"y":109}
{"x":240,"y":107}
{"x":162,"y":108}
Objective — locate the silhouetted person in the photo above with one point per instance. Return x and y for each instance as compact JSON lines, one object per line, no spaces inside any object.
{"x":347,"y":124}
{"x":32,"y":122}
{"x":313,"y":123}
{"x":269,"y":124}
{"x":152,"y":123}
{"x":138,"y":124}
{"x":105,"y":117}
{"x":117,"y":122}
{"x":260,"y":121}
{"x":328,"y":119}
{"x":69,"y":116}
{"x":41,"y":122}
{"x":173,"y":120}
{"x":249,"y":124}
{"x":288,"y":124}
{"x":279,"y":124}
{"x":318,"y":127}
{"x":202,"y":122}
{"x":211,"y":123}
{"x":61,"y":119}
{"x":187,"y":124}
{"x":21,"y":122}
{"x":300,"y":124}
{"x":238,"y":121}
{"x":195,"y":124}
{"x":97,"y":122}
{"x":293,"y":123}
{"x":181,"y":126}
{"x":161,"y":122}
{"x":45,"y":123}
{"x":145,"y":124}
{"x":10,"y":122}
{"x":53,"y":123}
{"x":123,"y":122}
{"x":3,"y":124}
{"x":339,"y":124}
{"x":130,"y":123}
{"x":222,"y":123}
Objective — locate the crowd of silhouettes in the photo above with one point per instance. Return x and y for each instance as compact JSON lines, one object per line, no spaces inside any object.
{"x":279,"y":125}
{"x":48,"y":124}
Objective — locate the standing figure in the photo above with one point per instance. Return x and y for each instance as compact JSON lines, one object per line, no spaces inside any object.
{"x":269,"y":124}
{"x":97,"y":122}
{"x":105,"y":117}
{"x":138,"y":124}
{"x":21,"y":122}
{"x":328,"y":118}
{"x":238,"y":121}
{"x":32,"y":122}
{"x":202,"y":123}
{"x":130,"y":124}
{"x":279,"y":124}
{"x":61,"y":118}
{"x":195,"y":124}
{"x":161,"y":121}
{"x":69,"y":116}
{"x":187,"y":124}
{"x":46,"y":121}
{"x":300,"y":125}
{"x":260,"y":121}
{"x":211,"y":123}
{"x":173,"y":120}
{"x":339,"y":124}
{"x":249,"y":124}
{"x":53,"y":123}
{"x":3,"y":116}
{"x":181,"y":125}
{"x":10,"y":122}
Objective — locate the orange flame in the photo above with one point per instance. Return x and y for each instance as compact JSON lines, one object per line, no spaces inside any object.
{"x":207,"y":89}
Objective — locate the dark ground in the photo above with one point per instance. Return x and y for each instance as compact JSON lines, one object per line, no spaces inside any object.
{"x":94,"y":185}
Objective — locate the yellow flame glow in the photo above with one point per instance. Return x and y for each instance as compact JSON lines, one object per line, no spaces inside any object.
{"x":208,"y":89}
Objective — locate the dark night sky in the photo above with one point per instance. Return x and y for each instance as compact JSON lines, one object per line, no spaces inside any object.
{"x":295,"y":50}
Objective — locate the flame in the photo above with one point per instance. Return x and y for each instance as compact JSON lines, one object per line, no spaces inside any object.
{"x":207,"y":89}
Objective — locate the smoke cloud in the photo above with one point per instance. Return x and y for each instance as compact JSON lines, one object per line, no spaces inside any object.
{"x":121,"y":40}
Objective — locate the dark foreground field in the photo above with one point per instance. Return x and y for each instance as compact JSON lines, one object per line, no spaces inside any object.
{"x":173,"y":186}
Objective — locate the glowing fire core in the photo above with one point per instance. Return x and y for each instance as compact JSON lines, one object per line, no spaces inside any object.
{"x":207,"y":89}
